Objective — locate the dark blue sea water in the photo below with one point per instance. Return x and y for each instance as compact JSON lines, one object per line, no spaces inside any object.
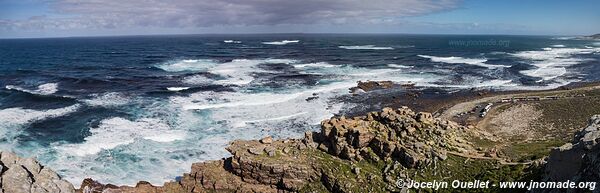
{"x":123,"y":109}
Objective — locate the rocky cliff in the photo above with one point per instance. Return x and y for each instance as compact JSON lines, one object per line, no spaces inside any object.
{"x":360,"y":154}
{"x":26,"y":175}
{"x":578,"y":161}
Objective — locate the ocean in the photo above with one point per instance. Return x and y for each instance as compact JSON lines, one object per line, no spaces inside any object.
{"x":124,"y":109}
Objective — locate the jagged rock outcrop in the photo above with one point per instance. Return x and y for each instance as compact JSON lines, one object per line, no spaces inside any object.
{"x":342,"y":157}
{"x":26,"y":175}
{"x":373,"y":85}
{"x":578,"y":161}
{"x":401,"y":134}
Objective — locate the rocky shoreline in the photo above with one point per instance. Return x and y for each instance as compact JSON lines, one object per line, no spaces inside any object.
{"x":24,"y":175}
{"x":367,"y":153}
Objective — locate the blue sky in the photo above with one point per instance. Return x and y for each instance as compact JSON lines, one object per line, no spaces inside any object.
{"x":60,"y":18}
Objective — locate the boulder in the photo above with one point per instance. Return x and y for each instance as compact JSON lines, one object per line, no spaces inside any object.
{"x":8,"y":158}
{"x":31,"y":165}
{"x":16,"y":180}
{"x":26,"y":175}
{"x":267,"y":140}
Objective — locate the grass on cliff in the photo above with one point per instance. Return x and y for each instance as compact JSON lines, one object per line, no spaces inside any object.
{"x":568,"y":115}
{"x":459,"y":168}
{"x":341,"y":173}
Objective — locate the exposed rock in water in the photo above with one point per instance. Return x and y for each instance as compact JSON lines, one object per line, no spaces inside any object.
{"x":26,"y":175}
{"x":371,"y":85}
{"x":578,"y":161}
{"x":324,"y":160}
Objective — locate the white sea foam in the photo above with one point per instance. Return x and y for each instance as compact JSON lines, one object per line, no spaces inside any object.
{"x":236,"y":72}
{"x":476,"y":82}
{"x":564,"y":38}
{"x":17,"y":117}
{"x":232,"y":41}
{"x":197,"y":80}
{"x":117,"y":131}
{"x":366,"y":47}
{"x":110,"y":99}
{"x":258,"y":99}
{"x":552,"y":63}
{"x":281,"y":118}
{"x":188,"y":65}
{"x":399,"y":66}
{"x":461,"y":60}
{"x":48,"y":88}
{"x":282,"y":42}
{"x":157,"y":146}
{"x":546,"y":73}
{"x":177,"y":89}
{"x":43,"y":89}
{"x":315,"y":65}
{"x":558,"y":46}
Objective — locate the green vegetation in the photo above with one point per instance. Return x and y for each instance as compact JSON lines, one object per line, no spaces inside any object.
{"x":343,"y":173}
{"x":568,"y":115}
{"x":463,"y":169}
{"x":532,"y":150}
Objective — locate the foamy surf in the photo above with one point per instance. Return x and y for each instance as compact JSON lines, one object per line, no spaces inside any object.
{"x":282,"y":42}
{"x":235,"y":72}
{"x":366,"y":47}
{"x":177,"y":89}
{"x":552,"y":63}
{"x":247,"y":100}
{"x":117,"y":131}
{"x":43,"y":89}
{"x":315,"y":65}
{"x":13,"y":120}
{"x":460,"y":60}
{"x":197,"y":80}
{"x":112,"y":99}
{"x":232,"y":41}
{"x":399,"y":66}
{"x":188,"y":65}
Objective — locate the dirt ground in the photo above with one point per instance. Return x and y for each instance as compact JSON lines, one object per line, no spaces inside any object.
{"x":515,"y":122}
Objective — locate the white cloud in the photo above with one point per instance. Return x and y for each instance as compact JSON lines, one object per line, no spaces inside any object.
{"x":110,"y":14}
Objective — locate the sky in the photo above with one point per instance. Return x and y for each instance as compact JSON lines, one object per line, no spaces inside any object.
{"x":66,"y":18}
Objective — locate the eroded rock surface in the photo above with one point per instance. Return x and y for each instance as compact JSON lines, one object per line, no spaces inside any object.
{"x":26,"y":175}
{"x":578,"y":161}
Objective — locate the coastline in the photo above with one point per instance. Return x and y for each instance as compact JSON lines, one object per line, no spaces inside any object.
{"x":349,"y":151}
{"x":261,"y":165}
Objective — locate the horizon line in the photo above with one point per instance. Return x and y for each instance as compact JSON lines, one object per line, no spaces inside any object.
{"x":279,"y":33}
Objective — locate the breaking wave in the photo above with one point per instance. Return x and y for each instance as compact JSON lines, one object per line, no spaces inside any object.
{"x":366,"y":47}
{"x":118,"y":131}
{"x":282,"y":42}
{"x":551,"y":63}
{"x":460,"y":60}
{"x":43,"y":89}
